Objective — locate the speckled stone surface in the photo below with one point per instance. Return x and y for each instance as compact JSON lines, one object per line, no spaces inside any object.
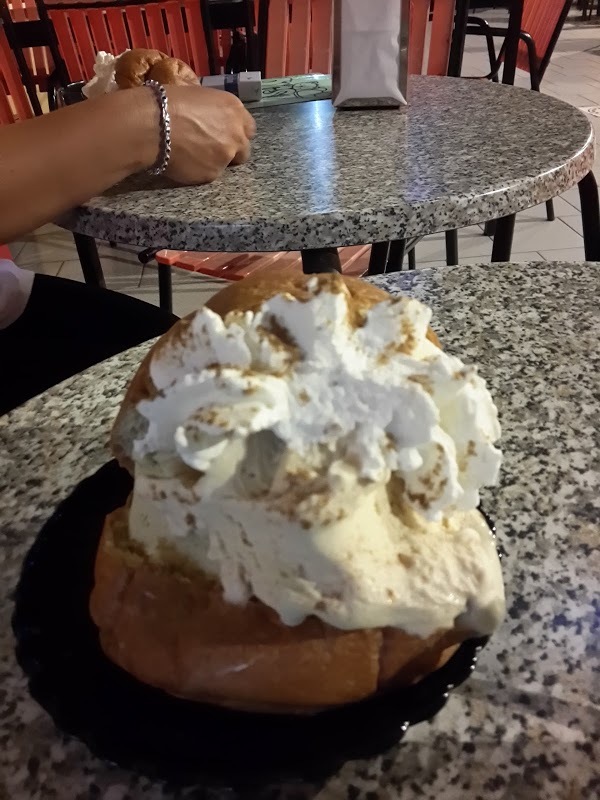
{"x":465,"y":151}
{"x":527,"y":724}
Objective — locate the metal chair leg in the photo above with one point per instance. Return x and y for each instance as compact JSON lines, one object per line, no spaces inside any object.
{"x":379,"y":258}
{"x":325,"y":259}
{"x":550,"y":210}
{"x":412,"y":259}
{"x":503,"y":238}
{"x":489,"y":229}
{"x":165,"y":288}
{"x":89,"y":260}
{"x":451,"y":248}
{"x":590,"y":215}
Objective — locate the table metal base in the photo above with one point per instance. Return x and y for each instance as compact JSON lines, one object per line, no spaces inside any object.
{"x":326,"y":259}
{"x":90,"y":260}
{"x":503,"y":238}
{"x":165,"y":287}
{"x":590,"y":216}
{"x":379,"y":258}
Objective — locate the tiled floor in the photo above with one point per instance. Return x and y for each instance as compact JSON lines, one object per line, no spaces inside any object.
{"x":573,"y":76}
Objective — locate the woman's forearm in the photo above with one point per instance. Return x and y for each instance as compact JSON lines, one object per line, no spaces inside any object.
{"x":52,"y":163}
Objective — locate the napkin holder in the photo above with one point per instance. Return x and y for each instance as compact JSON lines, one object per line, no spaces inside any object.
{"x":370,"y":53}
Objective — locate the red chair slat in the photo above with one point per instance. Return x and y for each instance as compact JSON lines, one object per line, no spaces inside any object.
{"x":100,"y":37}
{"x":540,"y":18}
{"x":321,"y":31}
{"x":6,"y":113}
{"x":66,"y":44}
{"x":156,"y":26}
{"x":137,"y":26}
{"x":198,"y":49}
{"x":177,"y":35}
{"x":299,"y":38}
{"x":277,"y":39}
{"x":115,"y":19}
{"x":83,"y":40}
{"x":419,"y":18}
{"x":442,"y":25}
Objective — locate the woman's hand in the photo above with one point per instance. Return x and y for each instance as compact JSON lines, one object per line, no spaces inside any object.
{"x":210,"y":129}
{"x":52,"y":163}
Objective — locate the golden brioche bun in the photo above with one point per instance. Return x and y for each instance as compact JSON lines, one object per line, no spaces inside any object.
{"x":167,"y":623}
{"x":139,"y":65}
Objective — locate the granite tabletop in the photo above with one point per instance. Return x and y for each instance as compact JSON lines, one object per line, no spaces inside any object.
{"x":463,"y":152}
{"x":526,"y":726}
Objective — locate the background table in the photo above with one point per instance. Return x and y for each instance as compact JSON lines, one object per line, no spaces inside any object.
{"x":526,"y":726}
{"x":464,"y":152}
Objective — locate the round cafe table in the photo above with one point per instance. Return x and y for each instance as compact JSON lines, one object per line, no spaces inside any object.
{"x":463,"y":152}
{"x":526,"y":723}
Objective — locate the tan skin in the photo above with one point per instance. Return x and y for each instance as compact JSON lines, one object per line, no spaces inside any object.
{"x":52,"y":163}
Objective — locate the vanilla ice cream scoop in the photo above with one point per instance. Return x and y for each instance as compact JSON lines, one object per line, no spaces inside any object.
{"x":326,"y":462}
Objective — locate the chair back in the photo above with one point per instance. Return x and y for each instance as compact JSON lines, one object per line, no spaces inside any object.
{"x":14,"y":103}
{"x":173,"y":26}
{"x":543,"y":20}
{"x":299,"y":37}
{"x":38,"y":59}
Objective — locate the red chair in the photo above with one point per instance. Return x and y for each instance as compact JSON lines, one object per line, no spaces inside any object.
{"x":543,"y":21}
{"x":38,"y":59}
{"x":173,"y":26}
{"x":14,"y":102}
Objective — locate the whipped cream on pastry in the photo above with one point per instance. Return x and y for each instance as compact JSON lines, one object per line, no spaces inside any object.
{"x":325,"y":460}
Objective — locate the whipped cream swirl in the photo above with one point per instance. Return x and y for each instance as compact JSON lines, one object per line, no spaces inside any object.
{"x":327,"y":460}
{"x":103,"y":81}
{"x":380,"y":397}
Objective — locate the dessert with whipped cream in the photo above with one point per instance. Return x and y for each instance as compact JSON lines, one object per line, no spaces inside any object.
{"x":133,"y":68}
{"x":303,"y":529}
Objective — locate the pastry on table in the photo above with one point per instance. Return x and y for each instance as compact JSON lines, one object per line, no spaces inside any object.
{"x":303,"y":531}
{"x":133,"y":68}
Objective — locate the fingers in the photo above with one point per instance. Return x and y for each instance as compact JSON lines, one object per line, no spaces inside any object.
{"x":242,"y":155}
{"x":247,"y":132}
{"x":249,"y":124}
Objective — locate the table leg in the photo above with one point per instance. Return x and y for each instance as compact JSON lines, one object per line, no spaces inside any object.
{"x":89,"y":260}
{"x":515,"y":25}
{"x":590,"y":215}
{"x":451,"y":248}
{"x":379,"y":258}
{"x":326,"y":259}
{"x":503,"y":238}
{"x":165,"y":287}
{"x":395,"y":261}
{"x":457,"y":48}
{"x":262,"y":28}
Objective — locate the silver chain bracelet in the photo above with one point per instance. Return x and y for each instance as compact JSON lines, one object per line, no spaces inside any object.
{"x":164,"y":150}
